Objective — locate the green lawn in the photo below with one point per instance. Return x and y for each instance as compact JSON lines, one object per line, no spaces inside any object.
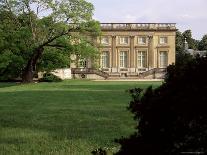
{"x":71,"y":117}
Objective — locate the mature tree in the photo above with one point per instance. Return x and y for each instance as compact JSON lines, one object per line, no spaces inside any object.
{"x":203,"y":43}
{"x":193,"y":44}
{"x":179,"y":41}
{"x":171,"y":119}
{"x":42,"y":34}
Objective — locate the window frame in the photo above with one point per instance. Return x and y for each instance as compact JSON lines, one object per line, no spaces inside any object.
{"x":122,"y":40}
{"x":103,"y":42}
{"x":123,"y":59}
{"x":163,"y":63}
{"x":165,"y":41}
{"x":142,"y":58}
{"x":142,"y":43}
{"x":105,"y":59}
{"x":82,"y":63}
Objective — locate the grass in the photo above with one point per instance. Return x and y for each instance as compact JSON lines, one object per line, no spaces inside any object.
{"x":71,"y":117}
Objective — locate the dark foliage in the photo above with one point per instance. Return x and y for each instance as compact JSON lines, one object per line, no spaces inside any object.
{"x":172,"y":119}
{"x":49,"y":77}
{"x":99,"y":151}
{"x":203,"y":43}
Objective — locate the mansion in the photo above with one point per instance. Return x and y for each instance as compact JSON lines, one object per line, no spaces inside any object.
{"x":131,"y":50}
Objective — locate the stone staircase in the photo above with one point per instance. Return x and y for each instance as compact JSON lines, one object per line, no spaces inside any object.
{"x":85,"y":71}
{"x":155,"y":73}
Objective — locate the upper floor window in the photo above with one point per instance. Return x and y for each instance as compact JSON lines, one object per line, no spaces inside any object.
{"x":105,"y":40}
{"x":163,"y":40}
{"x":124,"y":40}
{"x":142,"y":40}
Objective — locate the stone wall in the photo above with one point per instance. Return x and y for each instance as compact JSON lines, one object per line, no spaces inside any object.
{"x":64,"y":73}
{"x":88,"y":76}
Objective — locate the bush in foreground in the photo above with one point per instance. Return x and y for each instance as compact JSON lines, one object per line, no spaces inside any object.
{"x":49,"y":77}
{"x":172,"y":119}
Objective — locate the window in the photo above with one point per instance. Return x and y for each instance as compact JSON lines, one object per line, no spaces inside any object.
{"x":163,"y":40}
{"x":141,"y":59}
{"x":105,"y":59}
{"x":82,"y":63}
{"x":105,"y":40}
{"x":142,"y":40}
{"x":163,"y":59}
{"x":123,"y":59}
{"x":123,"y":40}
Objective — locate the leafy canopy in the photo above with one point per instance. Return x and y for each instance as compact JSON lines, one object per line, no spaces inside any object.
{"x":44,"y":33}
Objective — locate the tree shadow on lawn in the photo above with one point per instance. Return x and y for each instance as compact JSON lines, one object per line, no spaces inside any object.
{"x":108,"y":87}
{"x":10,"y":140}
{"x":7,"y":84}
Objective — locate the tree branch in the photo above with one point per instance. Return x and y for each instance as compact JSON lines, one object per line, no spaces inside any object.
{"x":30,"y":19}
{"x":13,"y":15}
{"x":60,"y":35}
{"x":40,"y":49}
{"x":55,"y":45}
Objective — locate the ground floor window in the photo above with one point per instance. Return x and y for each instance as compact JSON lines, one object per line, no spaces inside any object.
{"x":141,"y":59}
{"x":105,"y":59}
{"x":163,"y":59}
{"x":123,"y":59}
{"x":82,"y":63}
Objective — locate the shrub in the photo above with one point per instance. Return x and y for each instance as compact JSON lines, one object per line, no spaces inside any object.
{"x":99,"y":151}
{"x":172,"y":119}
{"x":49,"y":77}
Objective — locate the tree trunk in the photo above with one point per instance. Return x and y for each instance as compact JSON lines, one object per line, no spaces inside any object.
{"x":28,"y":73}
{"x":27,"y":76}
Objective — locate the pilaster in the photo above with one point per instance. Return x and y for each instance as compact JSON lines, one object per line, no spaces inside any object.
{"x":114,"y":53}
{"x":150,"y":53}
{"x":132,"y":52}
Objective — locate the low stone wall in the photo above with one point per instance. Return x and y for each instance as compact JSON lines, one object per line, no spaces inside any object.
{"x":88,"y":76}
{"x":156,"y":76}
{"x":64,"y":73}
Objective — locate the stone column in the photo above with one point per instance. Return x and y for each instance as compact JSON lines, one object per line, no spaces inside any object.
{"x":132,"y":54}
{"x":110,"y":58}
{"x":114,"y":55}
{"x":150,"y":52}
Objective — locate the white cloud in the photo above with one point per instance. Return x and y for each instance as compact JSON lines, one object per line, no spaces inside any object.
{"x":129,"y":18}
{"x":187,"y":14}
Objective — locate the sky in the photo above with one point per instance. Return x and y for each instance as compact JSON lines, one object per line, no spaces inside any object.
{"x":187,"y":14}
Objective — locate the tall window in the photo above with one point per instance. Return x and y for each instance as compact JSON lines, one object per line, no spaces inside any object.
{"x":82,"y":63}
{"x":142,"y":40}
{"x":163,"y":59}
{"x":163,"y":40}
{"x":123,"y":40}
{"x":123,"y":59}
{"x":141,"y":59}
{"x":105,"y":59}
{"x":105,"y":40}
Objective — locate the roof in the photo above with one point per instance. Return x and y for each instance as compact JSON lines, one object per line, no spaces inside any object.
{"x":139,"y":26}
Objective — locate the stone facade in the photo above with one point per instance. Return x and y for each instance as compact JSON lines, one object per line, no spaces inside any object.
{"x":128,"y":49}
